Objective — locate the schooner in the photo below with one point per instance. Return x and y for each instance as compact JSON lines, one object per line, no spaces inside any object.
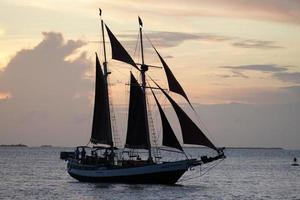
{"x":105,"y":164}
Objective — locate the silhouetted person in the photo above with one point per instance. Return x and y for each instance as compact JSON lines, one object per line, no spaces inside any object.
{"x":105,"y":154}
{"x":77,"y":153}
{"x":94,"y":154}
{"x":82,"y":154}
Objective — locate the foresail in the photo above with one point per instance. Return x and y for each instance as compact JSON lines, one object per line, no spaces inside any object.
{"x":136,"y":129}
{"x":101,"y":129}
{"x":191,"y":134}
{"x":174,"y":85}
{"x":118,"y":51}
{"x":169,"y":138}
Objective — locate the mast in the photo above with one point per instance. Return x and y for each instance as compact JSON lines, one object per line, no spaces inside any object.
{"x":143,"y":70}
{"x":106,"y":73}
{"x":103,"y":41}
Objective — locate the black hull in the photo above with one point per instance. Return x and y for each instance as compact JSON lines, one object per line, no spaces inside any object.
{"x":170,"y":177}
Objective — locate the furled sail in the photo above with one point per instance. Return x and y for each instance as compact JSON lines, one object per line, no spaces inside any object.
{"x":169,"y":138}
{"x":191,"y":134}
{"x":101,"y":129}
{"x":118,"y":51}
{"x":136,"y":128}
{"x":174,"y":85}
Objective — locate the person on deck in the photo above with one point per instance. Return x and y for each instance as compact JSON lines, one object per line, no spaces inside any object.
{"x":77,"y":153}
{"x":83,"y":153}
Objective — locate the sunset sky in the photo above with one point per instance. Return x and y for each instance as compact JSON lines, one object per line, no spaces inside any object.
{"x":238,"y":61}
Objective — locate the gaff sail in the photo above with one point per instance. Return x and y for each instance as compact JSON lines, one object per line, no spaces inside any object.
{"x":169,"y":138}
{"x":101,"y":128}
{"x":136,"y":128}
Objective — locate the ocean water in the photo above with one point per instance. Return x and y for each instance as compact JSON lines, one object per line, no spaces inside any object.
{"x":38,"y":173}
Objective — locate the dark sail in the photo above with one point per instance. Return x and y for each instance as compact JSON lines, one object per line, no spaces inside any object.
{"x":174,"y":85}
{"x":191,"y":134}
{"x":101,"y":129}
{"x":118,"y":51}
{"x":136,"y":128}
{"x":169,"y":138}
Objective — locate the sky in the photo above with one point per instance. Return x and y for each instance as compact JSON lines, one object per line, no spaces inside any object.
{"x":238,"y":61}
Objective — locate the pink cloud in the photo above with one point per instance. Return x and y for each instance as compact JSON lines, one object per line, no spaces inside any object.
{"x":269,"y":10}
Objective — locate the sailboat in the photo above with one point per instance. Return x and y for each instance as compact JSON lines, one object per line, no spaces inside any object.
{"x":106,"y":162}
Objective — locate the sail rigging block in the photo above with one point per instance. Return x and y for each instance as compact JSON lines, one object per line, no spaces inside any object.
{"x":191,"y":134}
{"x":136,"y":128}
{"x":118,"y":51}
{"x":169,"y":137}
{"x":101,"y":129}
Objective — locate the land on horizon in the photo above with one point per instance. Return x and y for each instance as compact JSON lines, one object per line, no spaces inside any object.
{"x":54,"y":146}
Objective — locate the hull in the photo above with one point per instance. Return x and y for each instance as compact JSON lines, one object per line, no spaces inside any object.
{"x":163,"y":173}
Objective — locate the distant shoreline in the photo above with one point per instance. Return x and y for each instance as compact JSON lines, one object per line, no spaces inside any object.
{"x":13,"y":145}
{"x":50,"y":146}
{"x":279,"y":148}
{"x":24,"y":145}
{"x":254,"y":148}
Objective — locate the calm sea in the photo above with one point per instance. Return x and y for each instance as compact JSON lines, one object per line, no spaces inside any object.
{"x":38,"y":173}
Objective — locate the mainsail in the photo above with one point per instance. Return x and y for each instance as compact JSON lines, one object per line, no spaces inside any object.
{"x":136,"y":128}
{"x":191,"y":134}
{"x":101,"y":129}
{"x":118,"y":51}
{"x":169,"y":138}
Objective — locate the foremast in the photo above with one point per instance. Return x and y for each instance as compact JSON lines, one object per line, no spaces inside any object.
{"x":102,"y":128}
{"x":106,"y":73}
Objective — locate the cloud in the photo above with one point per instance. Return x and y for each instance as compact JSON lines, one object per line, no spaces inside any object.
{"x":268,"y":118}
{"x":171,"y":39}
{"x":257,"y":95}
{"x":293,"y":77}
{"x":235,"y":74}
{"x":42,"y":69}
{"x":286,"y":11}
{"x":270,"y":10}
{"x":48,"y":93}
{"x":259,"y":44}
{"x":294,"y":89}
{"x":259,"y":67}
{"x":239,"y":74}
{"x":238,"y":125}
{"x":167,"y":39}
{"x":279,"y":72}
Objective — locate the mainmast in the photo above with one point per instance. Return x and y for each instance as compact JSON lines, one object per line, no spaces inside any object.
{"x":143,"y":70}
{"x":106,"y":73}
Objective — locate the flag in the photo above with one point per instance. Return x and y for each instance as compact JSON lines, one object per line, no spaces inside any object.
{"x":140,"y":22}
